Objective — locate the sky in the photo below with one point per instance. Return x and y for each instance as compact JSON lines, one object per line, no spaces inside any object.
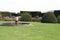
{"x":29,"y":5}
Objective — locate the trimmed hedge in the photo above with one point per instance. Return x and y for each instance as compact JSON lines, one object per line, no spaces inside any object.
{"x":49,"y":17}
{"x":26,"y":17}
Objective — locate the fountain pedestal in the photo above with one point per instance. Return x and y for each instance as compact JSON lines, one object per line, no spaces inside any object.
{"x":16,"y":17}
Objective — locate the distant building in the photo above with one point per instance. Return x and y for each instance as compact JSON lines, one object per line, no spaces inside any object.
{"x":57,"y":12}
{"x":33,"y":13}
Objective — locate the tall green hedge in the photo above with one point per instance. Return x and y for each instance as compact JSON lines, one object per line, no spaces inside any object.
{"x":26,"y":17}
{"x":49,"y":17}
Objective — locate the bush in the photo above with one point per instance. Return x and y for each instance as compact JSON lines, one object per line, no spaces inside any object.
{"x":26,"y":17}
{"x":35,"y":19}
{"x":58,"y":19}
{"x":7,"y":19}
{"x":49,"y":18}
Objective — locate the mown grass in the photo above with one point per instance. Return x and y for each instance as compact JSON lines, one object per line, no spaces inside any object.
{"x":39,"y":31}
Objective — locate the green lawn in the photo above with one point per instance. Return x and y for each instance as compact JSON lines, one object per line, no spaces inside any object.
{"x":39,"y":31}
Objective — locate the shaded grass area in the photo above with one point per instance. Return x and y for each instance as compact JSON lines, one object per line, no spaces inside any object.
{"x":39,"y":31}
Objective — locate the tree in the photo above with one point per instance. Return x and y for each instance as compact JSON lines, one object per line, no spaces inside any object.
{"x":49,"y":17}
{"x":26,"y":17}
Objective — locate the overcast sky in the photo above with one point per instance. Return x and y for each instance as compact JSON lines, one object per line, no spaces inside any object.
{"x":29,"y":5}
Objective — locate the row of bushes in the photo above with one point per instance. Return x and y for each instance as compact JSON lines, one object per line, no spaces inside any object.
{"x":25,"y":17}
{"x":48,"y":17}
{"x":28,"y":17}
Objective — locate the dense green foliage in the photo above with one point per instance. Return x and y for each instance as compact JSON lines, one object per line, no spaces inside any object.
{"x":26,"y":17}
{"x":49,"y":17}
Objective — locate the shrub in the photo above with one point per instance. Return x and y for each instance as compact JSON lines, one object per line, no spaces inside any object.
{"x":49,"y":17}
{"x":26,"y":17}
{"x":36,"y":19}
{"x":7,"y":19}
